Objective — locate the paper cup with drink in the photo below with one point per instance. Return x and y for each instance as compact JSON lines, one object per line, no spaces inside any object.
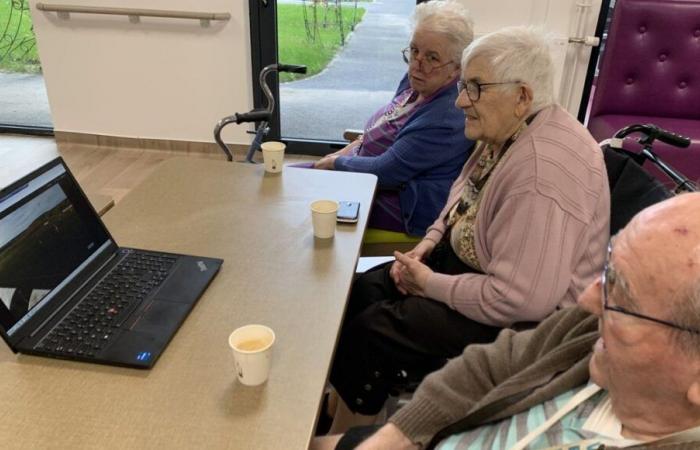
{"x":273,"y":156}
{"x":252,"y":352}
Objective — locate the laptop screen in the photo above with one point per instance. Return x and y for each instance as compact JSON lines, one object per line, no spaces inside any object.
{"x":48,"y":232}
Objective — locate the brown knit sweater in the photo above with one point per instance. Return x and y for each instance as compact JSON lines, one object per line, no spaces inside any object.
{"x":495,"y":381}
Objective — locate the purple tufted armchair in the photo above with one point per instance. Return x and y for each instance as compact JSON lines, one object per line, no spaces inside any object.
{"x":650,"y":73}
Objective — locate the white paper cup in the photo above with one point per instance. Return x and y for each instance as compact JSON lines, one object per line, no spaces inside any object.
{"x":252,"y":352}
{"x":323,"y":217}
{"x":273,"y":156}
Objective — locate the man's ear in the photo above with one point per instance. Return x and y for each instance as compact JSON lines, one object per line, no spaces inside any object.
{"x":693,"y":393}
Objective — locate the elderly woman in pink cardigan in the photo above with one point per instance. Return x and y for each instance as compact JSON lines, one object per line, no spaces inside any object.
{"x":523,"y":232}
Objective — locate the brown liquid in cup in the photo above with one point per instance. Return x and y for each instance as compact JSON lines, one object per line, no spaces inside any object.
{"x":252,"y":345}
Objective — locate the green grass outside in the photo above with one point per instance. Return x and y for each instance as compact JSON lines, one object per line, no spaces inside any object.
{"x":18,"y":51}
{"x":295,"y":47}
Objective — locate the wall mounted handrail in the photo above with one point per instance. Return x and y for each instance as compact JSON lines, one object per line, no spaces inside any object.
{"x":132,"y":12}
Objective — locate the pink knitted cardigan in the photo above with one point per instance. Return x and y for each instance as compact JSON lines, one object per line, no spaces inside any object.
{"x":541,"y":229}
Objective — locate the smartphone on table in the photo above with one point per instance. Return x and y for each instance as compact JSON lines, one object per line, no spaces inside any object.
{"x":348,"y":212}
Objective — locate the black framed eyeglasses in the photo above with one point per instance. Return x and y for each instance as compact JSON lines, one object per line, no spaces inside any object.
{"x":474,"y":88}
{"x":428,"y":63}
{"x":605,"y":278}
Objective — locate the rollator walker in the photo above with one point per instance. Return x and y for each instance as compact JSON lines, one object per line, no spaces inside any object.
{"x":261,"y":115}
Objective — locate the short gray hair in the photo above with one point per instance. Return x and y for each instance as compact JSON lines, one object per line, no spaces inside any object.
{"x":450,"y":18}
{"x":518,"y":54}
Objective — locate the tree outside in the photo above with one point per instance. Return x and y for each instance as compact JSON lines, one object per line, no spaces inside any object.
{"x":312,"y":32}
{"x":18,"y":51}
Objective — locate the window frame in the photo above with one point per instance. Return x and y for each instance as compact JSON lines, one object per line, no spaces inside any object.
{"x":264,"y":51}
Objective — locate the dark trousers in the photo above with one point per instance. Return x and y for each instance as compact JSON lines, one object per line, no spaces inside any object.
{"x":390,"y":341}
{"x":355,"y":436}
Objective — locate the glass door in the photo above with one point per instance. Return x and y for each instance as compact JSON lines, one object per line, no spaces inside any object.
{"x":24,"y":106}
{"x":352,"y":51}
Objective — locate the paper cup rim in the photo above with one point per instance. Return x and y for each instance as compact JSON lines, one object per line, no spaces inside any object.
{"x":277,"y":146}
{"x":240,"y":329}
{"x":318,"y":203}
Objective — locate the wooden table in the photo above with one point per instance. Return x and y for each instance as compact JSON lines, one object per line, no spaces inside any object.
{"x":275,"y":273}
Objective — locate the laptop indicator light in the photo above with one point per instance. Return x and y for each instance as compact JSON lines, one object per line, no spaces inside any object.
{"x":143,"y":356}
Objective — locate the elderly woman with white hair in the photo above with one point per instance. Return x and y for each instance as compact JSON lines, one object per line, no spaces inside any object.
{"x":415,"y":144}
{"x":523,"y":232}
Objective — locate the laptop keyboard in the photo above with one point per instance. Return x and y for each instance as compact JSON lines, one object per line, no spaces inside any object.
{"x":92,"y":324}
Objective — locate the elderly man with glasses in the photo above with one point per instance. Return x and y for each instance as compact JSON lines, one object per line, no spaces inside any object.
{"x":639,"y":387}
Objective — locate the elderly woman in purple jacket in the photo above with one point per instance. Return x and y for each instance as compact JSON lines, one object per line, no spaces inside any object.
{"x":415,"y":144}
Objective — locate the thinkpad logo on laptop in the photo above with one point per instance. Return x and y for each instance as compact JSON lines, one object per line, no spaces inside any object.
{"x":202,"y":266}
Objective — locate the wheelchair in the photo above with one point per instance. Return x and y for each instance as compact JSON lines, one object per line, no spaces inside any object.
{"x":632,"y":188}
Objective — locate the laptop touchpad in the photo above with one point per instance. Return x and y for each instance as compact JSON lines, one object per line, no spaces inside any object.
{"x":161,"y":315}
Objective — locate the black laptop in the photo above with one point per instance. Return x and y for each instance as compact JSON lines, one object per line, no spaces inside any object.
{"x":68,"y":291}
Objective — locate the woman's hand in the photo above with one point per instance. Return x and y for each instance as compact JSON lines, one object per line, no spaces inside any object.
{"x":348,"y":149}
{"x":420,"y":252}
{"x":412,"y":275}
{"x":326,"y":163}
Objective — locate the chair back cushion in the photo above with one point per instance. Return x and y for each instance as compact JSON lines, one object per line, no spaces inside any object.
{"x":651,"y":61}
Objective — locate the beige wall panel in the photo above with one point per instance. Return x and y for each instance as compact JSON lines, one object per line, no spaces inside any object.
{"x":159,"y":78}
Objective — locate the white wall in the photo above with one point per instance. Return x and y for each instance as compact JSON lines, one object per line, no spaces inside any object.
{"x":160,"y":78}
{"x":557,"y":17}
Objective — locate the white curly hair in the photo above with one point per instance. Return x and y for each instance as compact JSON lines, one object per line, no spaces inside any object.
{"x":518,"y":54}
{"x":448,"y":17}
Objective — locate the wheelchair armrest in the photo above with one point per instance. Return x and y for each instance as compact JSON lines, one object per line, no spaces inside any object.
{"x":350,"y":135}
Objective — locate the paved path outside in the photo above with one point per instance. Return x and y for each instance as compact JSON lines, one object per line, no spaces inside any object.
{"x":360,"y":79}
{"x":23,"y":100}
